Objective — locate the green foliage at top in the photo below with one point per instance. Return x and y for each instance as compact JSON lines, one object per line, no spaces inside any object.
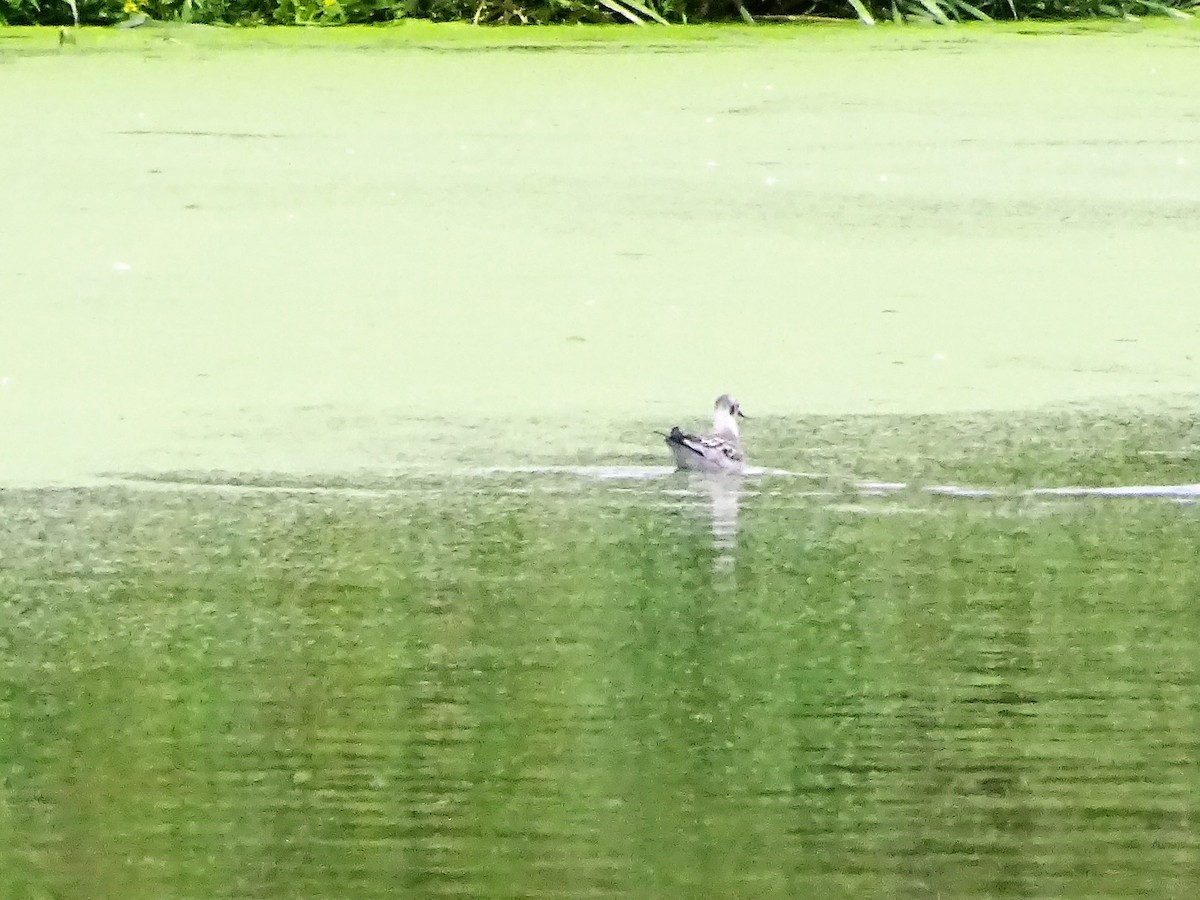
{"x":529,"y":12}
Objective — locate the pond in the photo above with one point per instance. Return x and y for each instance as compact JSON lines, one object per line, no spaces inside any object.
{"x":339,"y":555}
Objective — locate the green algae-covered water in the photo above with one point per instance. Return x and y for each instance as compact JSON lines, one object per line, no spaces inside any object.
{"x":316,"y":252}
{"x":338,"y":553}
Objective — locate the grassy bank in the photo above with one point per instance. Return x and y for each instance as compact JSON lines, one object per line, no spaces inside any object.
{"x":629,"y":12}
{"x":424,"y":33}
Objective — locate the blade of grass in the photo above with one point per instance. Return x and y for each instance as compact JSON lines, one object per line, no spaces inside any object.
{"x":936,"y":11}
{"x":622,"y":11}
{"x":864,"y":16}
{"x":645,"y":11}
{"x":972,"y":10}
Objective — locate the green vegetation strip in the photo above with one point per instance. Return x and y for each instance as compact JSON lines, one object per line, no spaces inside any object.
{"x":136,"y":13}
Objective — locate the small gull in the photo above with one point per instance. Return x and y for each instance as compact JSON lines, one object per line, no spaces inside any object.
{"x":720,"y":451}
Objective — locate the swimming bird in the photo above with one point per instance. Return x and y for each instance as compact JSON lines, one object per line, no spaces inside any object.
{"x":720,"y":451}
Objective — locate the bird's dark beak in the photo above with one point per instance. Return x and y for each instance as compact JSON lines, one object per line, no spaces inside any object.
{"x":742,"y":415}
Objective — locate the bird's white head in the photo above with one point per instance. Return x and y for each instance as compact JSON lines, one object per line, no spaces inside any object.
{"x":726,"y":412}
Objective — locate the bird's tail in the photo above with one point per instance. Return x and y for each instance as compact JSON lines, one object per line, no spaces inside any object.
{"x":675,"y":437}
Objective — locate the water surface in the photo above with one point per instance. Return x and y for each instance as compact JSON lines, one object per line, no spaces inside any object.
{"x":526,"y":684}
{"x":289,"y":251}
{"x":312,"y":350}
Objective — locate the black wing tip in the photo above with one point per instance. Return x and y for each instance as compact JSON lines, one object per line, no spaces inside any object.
{"x":678,"y":438}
